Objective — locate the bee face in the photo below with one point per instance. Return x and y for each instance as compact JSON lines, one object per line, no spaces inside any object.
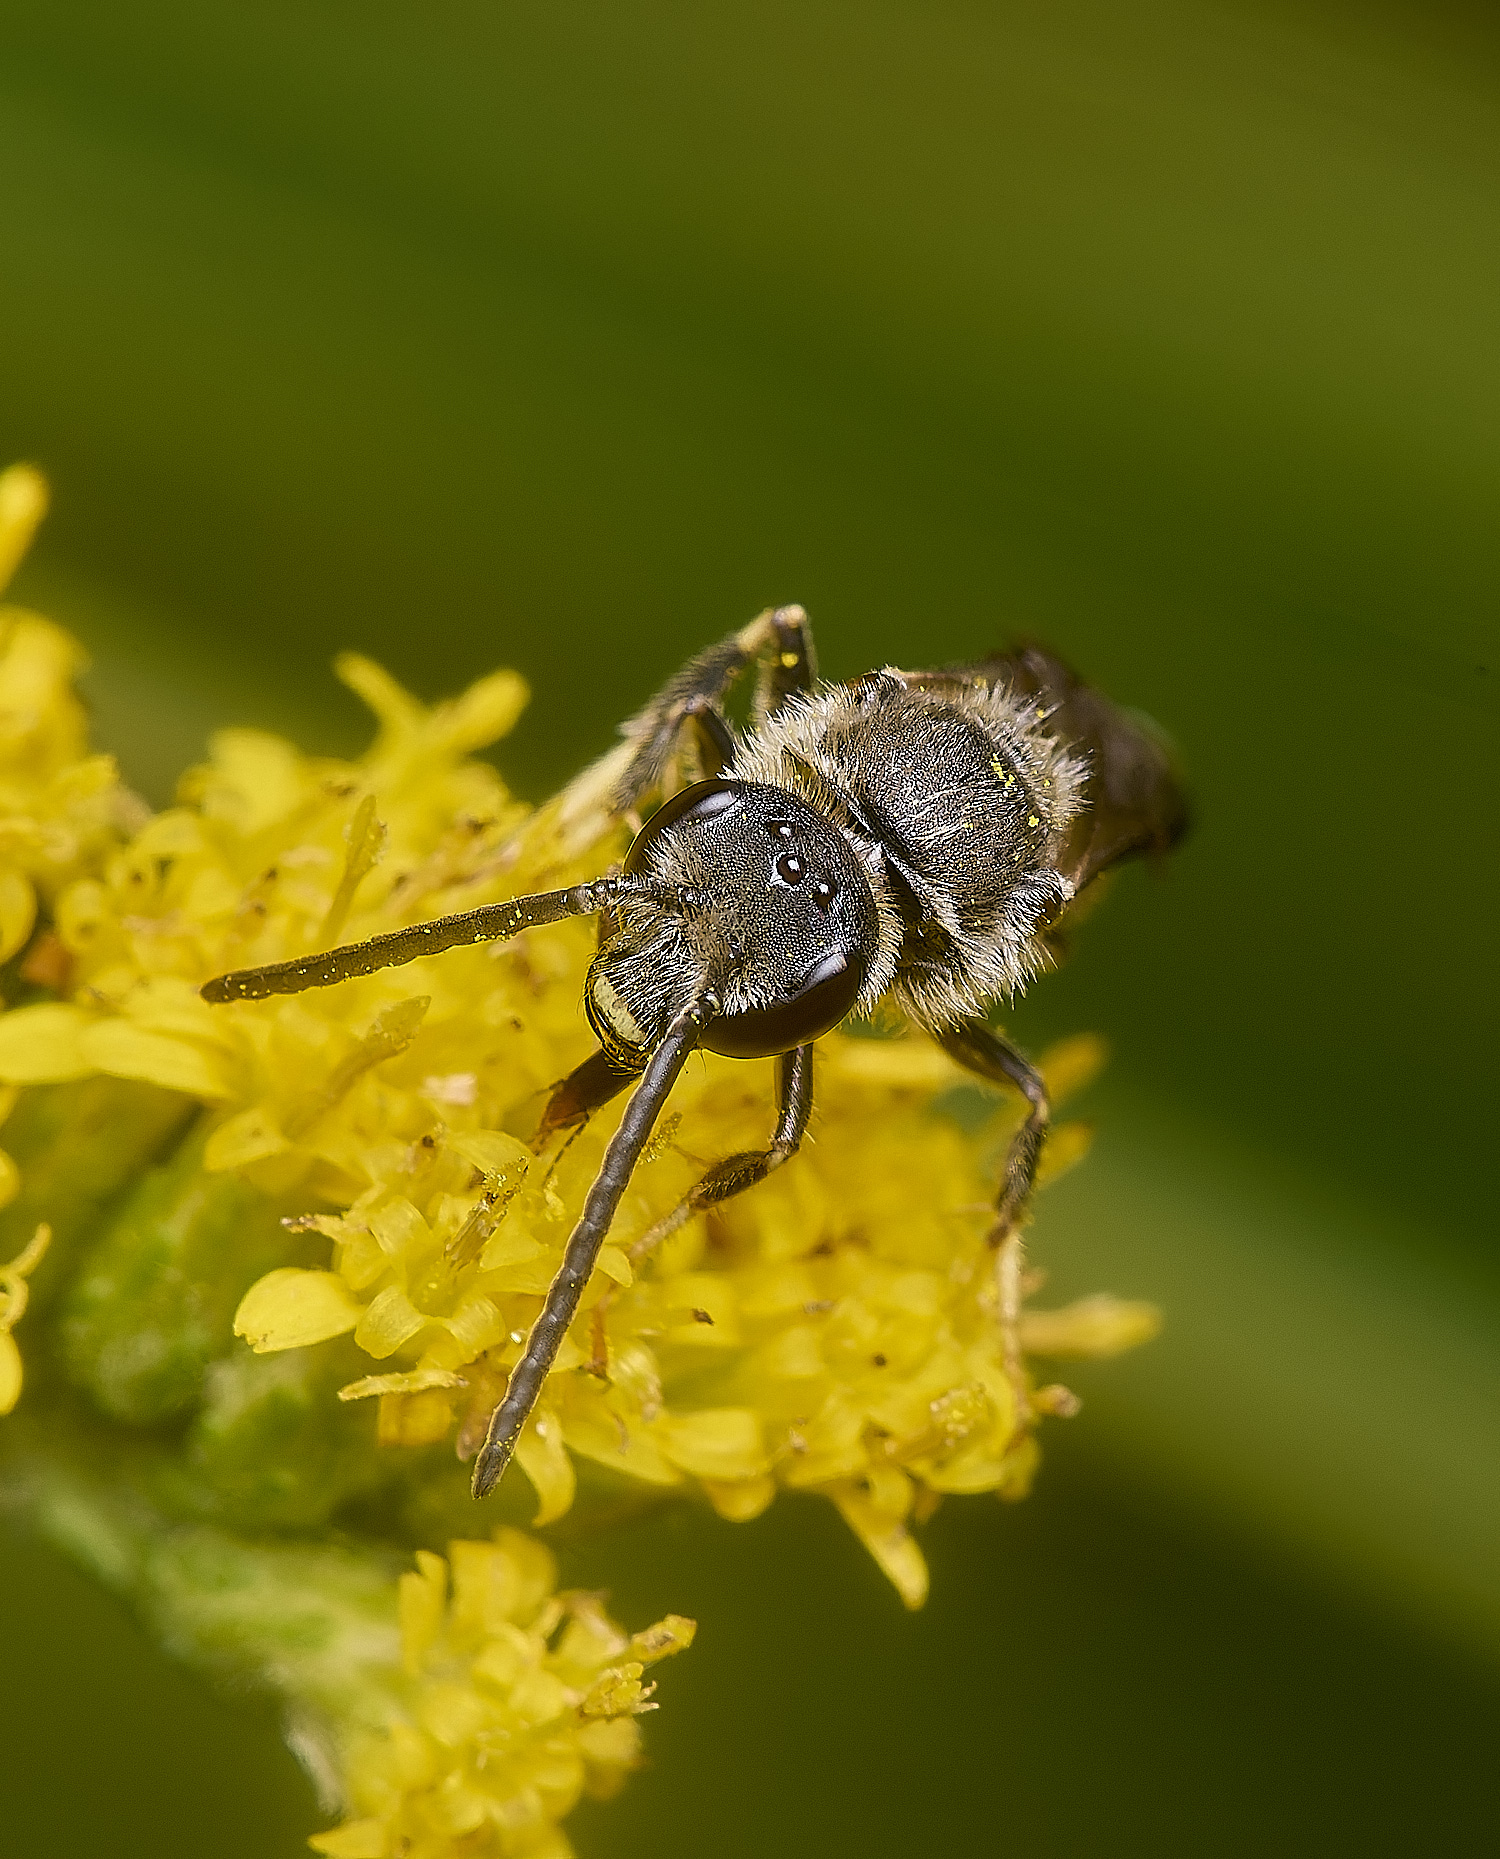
{"x":783,"y":937}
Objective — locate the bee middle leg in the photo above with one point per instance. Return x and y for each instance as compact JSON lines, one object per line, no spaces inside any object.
{"x":981,"y":1050}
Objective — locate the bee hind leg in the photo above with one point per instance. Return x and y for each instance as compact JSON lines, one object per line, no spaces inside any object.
{"x":981,"y":1050}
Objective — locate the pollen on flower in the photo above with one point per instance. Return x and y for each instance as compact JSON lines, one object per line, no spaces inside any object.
{"x":516,"y":1701}
{"x":837,"y":1330}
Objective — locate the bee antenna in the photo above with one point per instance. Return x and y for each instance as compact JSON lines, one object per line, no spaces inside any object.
{"x":582,"y":1250}
{"x":490,"y":923}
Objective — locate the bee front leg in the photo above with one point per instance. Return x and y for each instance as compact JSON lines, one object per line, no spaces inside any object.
{"x":582,"y":1250}
{"x":777,"y":642}
{"x":587,"y":1088}
{"x":981,"y":1050}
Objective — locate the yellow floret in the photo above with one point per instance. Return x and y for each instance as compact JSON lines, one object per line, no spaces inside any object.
{"x":516,"y":1702}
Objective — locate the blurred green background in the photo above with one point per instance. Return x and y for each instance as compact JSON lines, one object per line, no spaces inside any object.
{"x":566,"y":336}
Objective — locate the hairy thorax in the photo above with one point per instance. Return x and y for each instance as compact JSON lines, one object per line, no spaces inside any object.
{"x":961,"y":800}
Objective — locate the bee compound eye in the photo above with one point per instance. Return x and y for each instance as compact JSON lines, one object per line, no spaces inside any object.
{"x":699,"y":802}
{"x":826,"y":996}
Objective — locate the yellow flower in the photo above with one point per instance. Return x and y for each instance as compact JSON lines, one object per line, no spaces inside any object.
{"x":61,"y":809}
{"x":517,"y":1700}
{"x":13,"y":1297}
{"x":836,"y":1330}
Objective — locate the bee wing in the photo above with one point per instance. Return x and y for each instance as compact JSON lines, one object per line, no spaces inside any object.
{"x":1136,"y":803}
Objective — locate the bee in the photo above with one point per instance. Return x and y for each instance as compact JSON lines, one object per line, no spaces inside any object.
{"x":913,"y":837}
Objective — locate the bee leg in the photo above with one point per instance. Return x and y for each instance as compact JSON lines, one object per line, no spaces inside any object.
{"x":981,"y":1050}
{"x":712,"y":737}
{"x":567,"y":1288}
{"x":778,"y":641}
{"x":587,"y":1088}
{"x":794,"y":1096}
{"x":724,"y":1180}
{"x":788,"y":662}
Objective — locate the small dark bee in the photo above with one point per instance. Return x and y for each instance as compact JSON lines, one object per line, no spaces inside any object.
{"x":917,"y":836}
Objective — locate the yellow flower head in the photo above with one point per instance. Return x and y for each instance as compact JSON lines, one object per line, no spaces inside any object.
{"x":837,"y":1330}
{"x":61,"y":809}
{"x":515,"y":1702}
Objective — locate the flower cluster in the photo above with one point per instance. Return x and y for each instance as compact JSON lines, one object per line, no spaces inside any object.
{"x":835,"y":1331}
{"x":272,"y":1216}
{"x":516,"y":1701}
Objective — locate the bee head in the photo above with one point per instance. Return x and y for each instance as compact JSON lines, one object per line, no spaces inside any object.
{"x":781,"y":936}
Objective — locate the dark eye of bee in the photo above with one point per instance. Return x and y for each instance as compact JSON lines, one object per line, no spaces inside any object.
{"x":826,"y":995}
{"x":790,"y":869}
{"x":824,"y":892}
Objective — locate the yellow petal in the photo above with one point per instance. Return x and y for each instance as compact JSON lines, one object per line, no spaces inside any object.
{"x":127,"y":1051}
{"x":412,"y":1381}
{"x":23,"y":504}
{"x":177,"y":833}
{"x":167,"y":1004}
{"x":387,"y":1323}
{"x":715,"y":1442}
{"x":254,"y":779}
{"x":420,"y":1601}
{"x":492,"y":1152}
{"x":531,"y":1571}
{"x":614,"y":1264}
{"x":599,"y":1438}
{"x":893,"y":1064}
{"x":545,"y":1461}
{"x":610,"y":1743}
{"x":1094,"y":1326}
{"x":356,"y":1839}
{"x":17,"y":911}
{"x":289,"y":1308}
{"x":249,"y":1137}
{"x":484,"y":713}
{"x":398,"y":1225}
{"x":1067,"y":1145}
{"x":10,"y":1372}
{"x":510,"y":1246}
{"x":43,"y":1045}
{"x":539,"y":1697}
{"x":740,"y":1499}
{"x":887,"y":1539}
{"x":414,"y":1419}
{"x":10,"y":1180}
{"x":375,"y":686}
{"x":1071,"y":1064}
